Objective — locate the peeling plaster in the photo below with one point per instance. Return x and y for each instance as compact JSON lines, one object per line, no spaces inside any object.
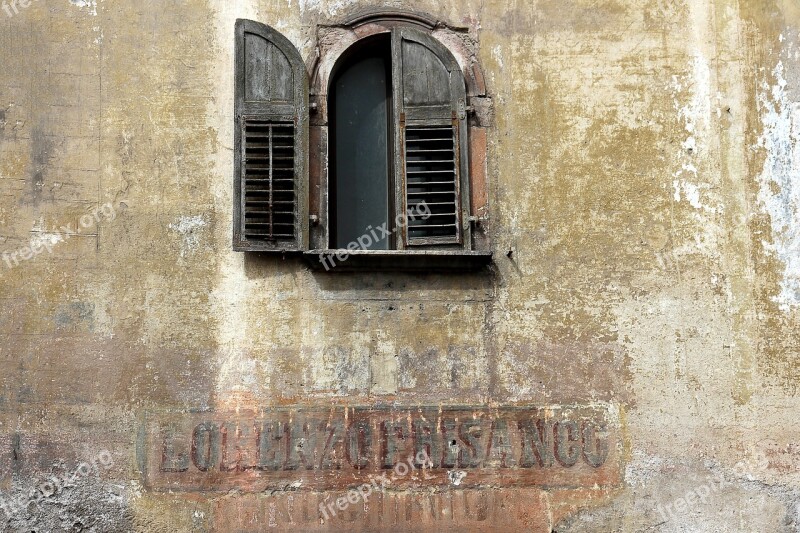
{"x":456,"y":476}
{"x":696,"y":118}
{"x":90,"y":5}
{"x":329,"y":8}
{"x":779,"y":192}
{"x":188,"y":227}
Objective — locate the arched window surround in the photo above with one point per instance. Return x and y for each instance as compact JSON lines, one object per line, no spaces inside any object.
{"x":281,"y":155}
{"x":332,"y":43}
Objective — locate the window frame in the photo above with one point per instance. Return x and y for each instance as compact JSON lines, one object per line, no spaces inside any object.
{"x":474,"y":114}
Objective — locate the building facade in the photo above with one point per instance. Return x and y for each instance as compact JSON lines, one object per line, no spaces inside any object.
{"x":597,"y":330}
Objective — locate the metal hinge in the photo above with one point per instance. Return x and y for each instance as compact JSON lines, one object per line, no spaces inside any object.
{"x":464,"y":109}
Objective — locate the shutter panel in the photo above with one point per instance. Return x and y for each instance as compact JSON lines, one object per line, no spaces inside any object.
{"x":271,"y":142}
{"x":432,"y":169}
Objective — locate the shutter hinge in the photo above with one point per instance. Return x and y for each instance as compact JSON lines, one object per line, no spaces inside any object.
{"x":477,"y":221}
{"x":464,"y":109}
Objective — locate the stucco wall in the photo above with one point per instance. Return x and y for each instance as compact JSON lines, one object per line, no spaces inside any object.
{"x":644,"y":171}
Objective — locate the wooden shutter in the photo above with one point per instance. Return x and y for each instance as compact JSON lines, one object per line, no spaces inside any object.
{"x":431,"y":137}
{"x":271,"y":142}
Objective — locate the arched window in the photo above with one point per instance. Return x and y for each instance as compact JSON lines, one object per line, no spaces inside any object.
{"x":361,"y":143}
{"x":389,"y":149}
{"x":397,"y":119}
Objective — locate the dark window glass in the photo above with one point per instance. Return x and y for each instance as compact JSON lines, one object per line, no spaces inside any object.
{"x":360,"y":113}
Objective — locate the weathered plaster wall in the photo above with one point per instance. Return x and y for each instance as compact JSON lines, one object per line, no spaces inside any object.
{"x":644,"y":170}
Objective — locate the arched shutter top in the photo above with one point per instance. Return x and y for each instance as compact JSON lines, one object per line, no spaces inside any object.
{"x":428,"y":75}
{"x":271,"y":76}
{"x":268,"y":72}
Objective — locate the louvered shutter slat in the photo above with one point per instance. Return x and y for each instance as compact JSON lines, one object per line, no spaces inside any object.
{"x":432,"y":182}
{"x":270,"y":202}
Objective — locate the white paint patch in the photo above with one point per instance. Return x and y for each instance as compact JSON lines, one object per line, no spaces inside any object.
{"x":135,"y":490}
{"x":238,"y":374}
{"x":642,"y":467}
{"x":696,"y":117}
{"x":189,"y":228}
{"x":89,"y":5}
{"x":48,"y":238}
{"x":779,"y":192}
{"x":690,"y":191}
{"x":497,"y":55}
{"x":330,"y":8}
{"x":456,"y":476}
{"x":697,"y":113}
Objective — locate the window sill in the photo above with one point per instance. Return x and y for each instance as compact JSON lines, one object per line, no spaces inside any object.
{"x":397,"y":260}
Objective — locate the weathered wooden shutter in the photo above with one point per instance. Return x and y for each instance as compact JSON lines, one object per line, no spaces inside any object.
{"x":432,"y":170}
{"x":271,"y":142}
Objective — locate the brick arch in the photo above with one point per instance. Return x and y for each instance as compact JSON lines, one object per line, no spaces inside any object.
{"x":334,"y":40}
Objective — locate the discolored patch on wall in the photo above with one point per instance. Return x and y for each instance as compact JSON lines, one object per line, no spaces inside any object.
{"x":773,"y":126}
{"x":478,"y":511}
{"x":41,"y":150}
{"x":75,"y":316}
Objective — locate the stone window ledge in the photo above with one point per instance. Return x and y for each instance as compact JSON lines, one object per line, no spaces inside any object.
{"x":397,"y":260}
